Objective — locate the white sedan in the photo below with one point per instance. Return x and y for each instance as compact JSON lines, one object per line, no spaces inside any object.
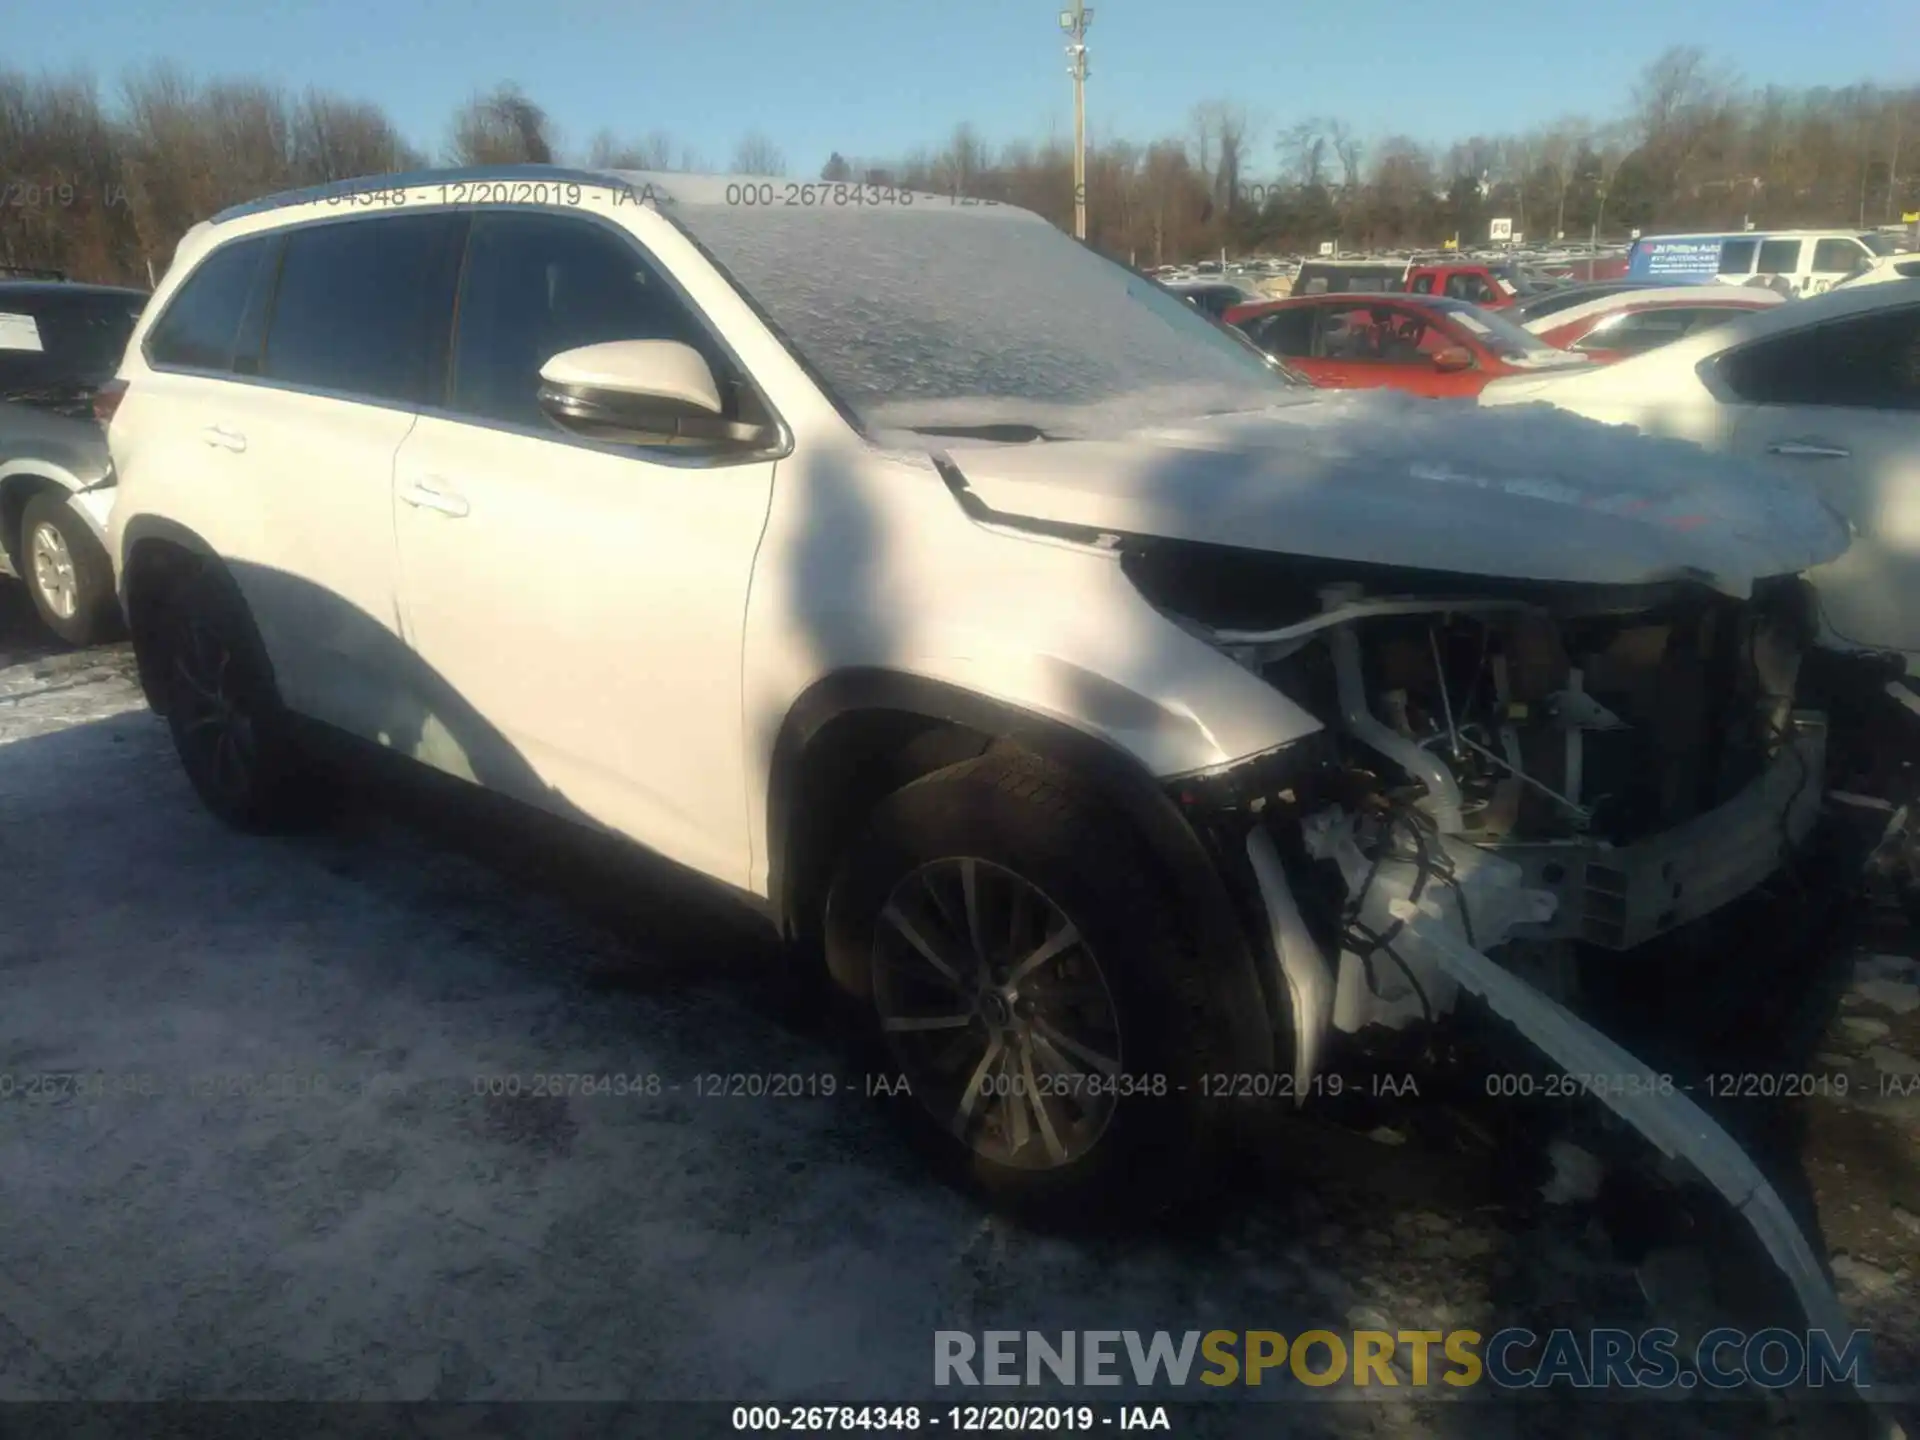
{"x":1827,"y":388}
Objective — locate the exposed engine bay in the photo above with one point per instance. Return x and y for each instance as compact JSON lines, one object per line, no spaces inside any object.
{"x":1550,"y":764}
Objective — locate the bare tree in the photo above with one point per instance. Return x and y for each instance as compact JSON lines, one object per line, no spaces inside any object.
{"x":757,"y":155}
{"x":502,"y":127}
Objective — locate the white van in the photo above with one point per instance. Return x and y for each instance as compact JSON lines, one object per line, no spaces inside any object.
{"x":1809,"y":261}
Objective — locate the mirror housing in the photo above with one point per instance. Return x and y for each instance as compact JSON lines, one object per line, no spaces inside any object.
{"x":1454,"y":357}
{"x":642,"y":392}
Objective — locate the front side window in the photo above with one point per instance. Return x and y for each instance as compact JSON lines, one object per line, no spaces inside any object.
{"x":537,"y":285}
{"x":1839,"y":257}
{"x":1352,"y":333}
{"x":1870,"y":361}
{"x":198,"y":329}
{"x":362,"y":306}
{"x":1287,"y":333}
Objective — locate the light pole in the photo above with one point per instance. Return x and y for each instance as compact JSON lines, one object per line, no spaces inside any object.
{"x":1075,"y":23}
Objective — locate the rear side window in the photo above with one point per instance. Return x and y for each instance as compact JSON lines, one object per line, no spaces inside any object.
{"x":363,"y":306}
{"x":197,"y":332}
{"x":1778,"y":257}
{"x":1870,"y":360}
{"x":1470,"y":286}
{"x":1423,"y":285}
{"x":1736,"y":257}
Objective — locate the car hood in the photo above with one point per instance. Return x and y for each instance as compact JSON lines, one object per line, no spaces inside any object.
{"x":1386,"y":479}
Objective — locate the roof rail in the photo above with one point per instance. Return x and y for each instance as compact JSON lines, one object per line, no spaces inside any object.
{"x":410,"y":179}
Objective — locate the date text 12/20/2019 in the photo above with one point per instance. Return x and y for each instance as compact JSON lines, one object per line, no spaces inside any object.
{"x":958,"y":1419}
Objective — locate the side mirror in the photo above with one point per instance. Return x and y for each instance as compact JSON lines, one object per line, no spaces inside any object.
{"x":642,"y":392}
{"x":1454,"y":357}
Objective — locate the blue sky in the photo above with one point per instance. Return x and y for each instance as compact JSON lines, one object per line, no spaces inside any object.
{"x":877,"y":79}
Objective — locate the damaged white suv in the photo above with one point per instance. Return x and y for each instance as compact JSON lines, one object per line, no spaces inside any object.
{"x":1118,"y":719}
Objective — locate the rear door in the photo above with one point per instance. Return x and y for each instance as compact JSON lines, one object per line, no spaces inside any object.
{"x":354,"y":340}
{"x":172,"y":437}
{"x":1839,"y":406}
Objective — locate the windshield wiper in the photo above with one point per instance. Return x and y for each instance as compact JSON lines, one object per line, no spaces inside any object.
{"x":1009,"y":433}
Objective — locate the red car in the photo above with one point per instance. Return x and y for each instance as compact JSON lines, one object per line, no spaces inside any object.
{"x":1425,"y":344}
{"x":1613,"y":327}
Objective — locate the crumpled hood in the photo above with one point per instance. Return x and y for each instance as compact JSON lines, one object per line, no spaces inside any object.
{"x":1388,"y":479}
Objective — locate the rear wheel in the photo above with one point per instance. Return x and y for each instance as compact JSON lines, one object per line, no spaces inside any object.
{"x":67,"y":573}
{"x":234,"y":737}
{"x":1028,"y":1002}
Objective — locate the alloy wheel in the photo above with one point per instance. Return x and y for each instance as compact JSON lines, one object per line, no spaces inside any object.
{"x":997,"y":1012}
{"x":53,"y":572}
{"x":215,"y":729}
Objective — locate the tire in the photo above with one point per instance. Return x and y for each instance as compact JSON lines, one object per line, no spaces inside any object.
{"x":1129,"y":985}
{"x":234,"y":737}
{"x":66,"y":570}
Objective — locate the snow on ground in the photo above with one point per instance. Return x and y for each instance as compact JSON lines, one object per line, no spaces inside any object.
{"x":353,"y":1218}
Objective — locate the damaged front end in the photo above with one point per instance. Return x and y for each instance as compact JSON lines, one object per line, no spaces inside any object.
{"x":1525,"y":782}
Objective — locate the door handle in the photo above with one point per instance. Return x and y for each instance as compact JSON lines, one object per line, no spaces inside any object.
{"x":1808,"y":450}
{"x":223,"y":438}
{"x":422,"y":496}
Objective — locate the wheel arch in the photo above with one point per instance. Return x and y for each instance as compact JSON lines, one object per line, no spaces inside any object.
{"x":857,"y":735}
{"x":18,"y":485}
{"x":156,"y":556}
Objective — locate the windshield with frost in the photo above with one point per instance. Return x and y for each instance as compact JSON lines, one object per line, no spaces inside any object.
{"x":928,"y":318}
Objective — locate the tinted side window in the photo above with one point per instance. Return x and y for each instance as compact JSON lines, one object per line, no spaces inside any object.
{"x":1285,"y":332}
{"x":1642,"y":330}
{"x":1778,"y":257}
{"x":537,"y":285}
{"x":1423,"y":285}
{"x":1736,"y":257}
{"x":198,"y":329}
{"x":1349,"y":332}
{"x":363,"y":306}
{"x":1870,"y":360}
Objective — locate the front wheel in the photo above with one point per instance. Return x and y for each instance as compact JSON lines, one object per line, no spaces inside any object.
{"x":1030,"y":1003}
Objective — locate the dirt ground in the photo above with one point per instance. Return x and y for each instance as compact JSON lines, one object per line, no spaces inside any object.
{"x":291,"y":1182}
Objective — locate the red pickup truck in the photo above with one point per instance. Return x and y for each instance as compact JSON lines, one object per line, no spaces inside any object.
{"x":1493,"y":286}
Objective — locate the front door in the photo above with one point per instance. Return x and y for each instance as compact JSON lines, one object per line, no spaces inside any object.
{"x":577,"y":607}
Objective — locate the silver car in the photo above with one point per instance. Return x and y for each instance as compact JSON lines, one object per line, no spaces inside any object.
{"x":59,"y":343}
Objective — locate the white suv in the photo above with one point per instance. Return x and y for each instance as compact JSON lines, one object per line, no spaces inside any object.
{"x":1126,"y":725}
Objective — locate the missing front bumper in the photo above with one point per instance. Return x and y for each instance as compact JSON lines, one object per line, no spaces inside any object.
{"x":1620,"y":897}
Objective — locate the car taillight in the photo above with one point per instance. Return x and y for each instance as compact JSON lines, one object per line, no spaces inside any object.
{"x":107,"y":399}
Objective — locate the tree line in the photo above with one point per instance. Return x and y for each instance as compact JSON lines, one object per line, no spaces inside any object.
{"x":103,"y":189}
